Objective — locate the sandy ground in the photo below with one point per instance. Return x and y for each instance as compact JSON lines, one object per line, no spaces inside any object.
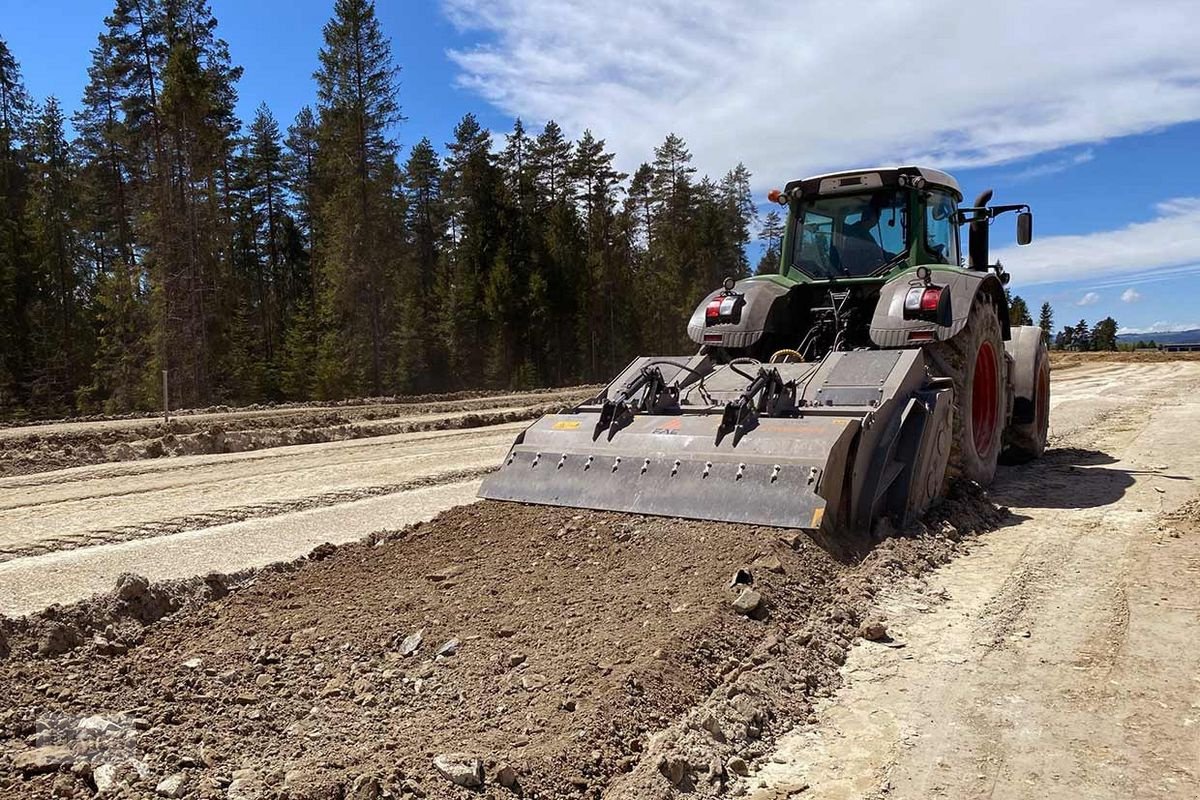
{"x":1057,"y":659}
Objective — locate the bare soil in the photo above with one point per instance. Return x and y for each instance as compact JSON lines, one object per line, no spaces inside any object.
{"x":50,"y":446}
{"x":1060,"y":359}
{"x":601,"y":655}
{"x":597,"y":654}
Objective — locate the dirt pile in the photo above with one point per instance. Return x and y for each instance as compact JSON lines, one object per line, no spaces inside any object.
{"x":507,"y":650}
{"x":1060,"y":359}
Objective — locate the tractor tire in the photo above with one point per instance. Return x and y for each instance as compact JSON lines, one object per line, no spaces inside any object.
{"x":974,"y":360}
{"x":1027,"y":440}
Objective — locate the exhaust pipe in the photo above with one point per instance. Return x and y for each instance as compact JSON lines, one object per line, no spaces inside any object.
{"x":977,"y":252}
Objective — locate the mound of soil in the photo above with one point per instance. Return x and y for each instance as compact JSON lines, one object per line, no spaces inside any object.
{"x":503,"y":650}
{"x":1060,"y":359}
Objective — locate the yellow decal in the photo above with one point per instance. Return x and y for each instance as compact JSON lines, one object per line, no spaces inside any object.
{"x":565,"y":426}
{"x":818,"y":515}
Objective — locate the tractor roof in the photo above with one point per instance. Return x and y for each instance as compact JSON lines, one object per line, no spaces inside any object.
{"x":854,"y":179}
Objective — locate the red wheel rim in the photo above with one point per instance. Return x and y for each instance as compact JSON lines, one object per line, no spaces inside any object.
{"x":984,"y":401}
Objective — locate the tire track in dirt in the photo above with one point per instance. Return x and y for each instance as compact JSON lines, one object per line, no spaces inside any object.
{"x":191,"y":522}
{"x":1054,"y":660}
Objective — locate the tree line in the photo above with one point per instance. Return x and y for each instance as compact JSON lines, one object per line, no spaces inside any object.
{"x":258,"y":262}
{"x":1101,"y":335}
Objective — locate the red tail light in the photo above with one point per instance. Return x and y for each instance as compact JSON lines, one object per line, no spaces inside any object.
{"x":930,"y":298}
{"x":713,"y":310}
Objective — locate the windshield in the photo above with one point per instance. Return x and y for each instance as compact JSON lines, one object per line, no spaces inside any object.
{"x":850,"y":235}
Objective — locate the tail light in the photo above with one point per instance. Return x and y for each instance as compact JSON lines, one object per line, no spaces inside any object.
{"x":723,"y":308}
{"x":925,"y":303}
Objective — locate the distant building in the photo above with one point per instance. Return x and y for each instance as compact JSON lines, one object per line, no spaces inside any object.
{"x":1179,"y":347}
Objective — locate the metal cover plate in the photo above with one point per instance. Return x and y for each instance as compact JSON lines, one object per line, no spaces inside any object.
{"x":755,"y":493}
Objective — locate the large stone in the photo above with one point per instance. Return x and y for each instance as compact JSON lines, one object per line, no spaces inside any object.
{"x":506,"y":776}
{"x":41,"y":760}
{"x":747,"y":601}
{"x":105,"y":777}
{"x":99,"y":726}
{"x":873,"y":629}
{"x":460,"y":768}
{"x":365,"y":787}
{"x":172,"y":786}
{"x":411,"y":643}
{"x":534,"y":681}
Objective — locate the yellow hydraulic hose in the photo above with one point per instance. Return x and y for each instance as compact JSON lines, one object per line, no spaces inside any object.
{"x":779,"y":356}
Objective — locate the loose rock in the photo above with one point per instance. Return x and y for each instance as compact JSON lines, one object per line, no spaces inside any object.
{"x":873,"y":629}
{"x":41,"y":760}
{"x":461,"y":769}
{"x":411,"y":643}
{"x":747,"y":602}
{"x":172,"y":786}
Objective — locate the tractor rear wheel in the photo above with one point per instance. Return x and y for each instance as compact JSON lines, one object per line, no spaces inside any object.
{"x":1027,"y":440}
{"x":974,"y":359}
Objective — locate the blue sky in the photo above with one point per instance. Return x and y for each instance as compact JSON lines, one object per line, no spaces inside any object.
{"x":1090,"y":112}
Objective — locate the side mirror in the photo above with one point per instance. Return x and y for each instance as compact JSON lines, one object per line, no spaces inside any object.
{"x":1025,"y":227}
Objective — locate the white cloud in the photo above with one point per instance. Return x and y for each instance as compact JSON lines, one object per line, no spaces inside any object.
{"x":1054,"y":166}
{"x":1089,"y":299}
{"x":1131,"y":295}
{"x":795,"y":87}
{"x":1164,"y":327}
{"x":1169,"y":243}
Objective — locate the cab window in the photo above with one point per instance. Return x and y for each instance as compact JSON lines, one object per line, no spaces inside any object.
{"x":941,"y":234}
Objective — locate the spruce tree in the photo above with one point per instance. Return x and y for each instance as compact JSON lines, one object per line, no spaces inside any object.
{"x":1018,"y":310}
{"x":16,"y":279}
{"x":357,"y":254}
{"x":771,"y":236}
{"x":1046,"y":320}
{"x":59,"y":277}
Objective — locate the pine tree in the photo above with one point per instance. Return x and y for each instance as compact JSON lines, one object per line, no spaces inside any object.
{"x":188,"y":230}
{"x":603,"y":327}
{"x":1018,"y":310}
{"x":357,"y":251}
{"x":16,"y":279}
{"x":301,"y":164}
{"x":471,"y":187}
{"x":771,"y":235}
{"x":1081,"y":336}
{"x":109,"y":175}
{"x":59,"y":278}
{"x":1104,"y":335}
{"x":1046,"y":320}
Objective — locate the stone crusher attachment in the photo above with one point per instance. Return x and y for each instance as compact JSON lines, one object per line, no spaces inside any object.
{"x":860,"y":434}
{"x":845,"y":389}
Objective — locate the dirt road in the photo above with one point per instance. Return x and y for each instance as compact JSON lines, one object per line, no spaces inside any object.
{"x":1058,"y":659}
{"x":68,"y":534}
{"x":586,"y":655}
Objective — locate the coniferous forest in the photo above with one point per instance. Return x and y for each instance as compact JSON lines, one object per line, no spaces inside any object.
{"x":265,"y":260}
